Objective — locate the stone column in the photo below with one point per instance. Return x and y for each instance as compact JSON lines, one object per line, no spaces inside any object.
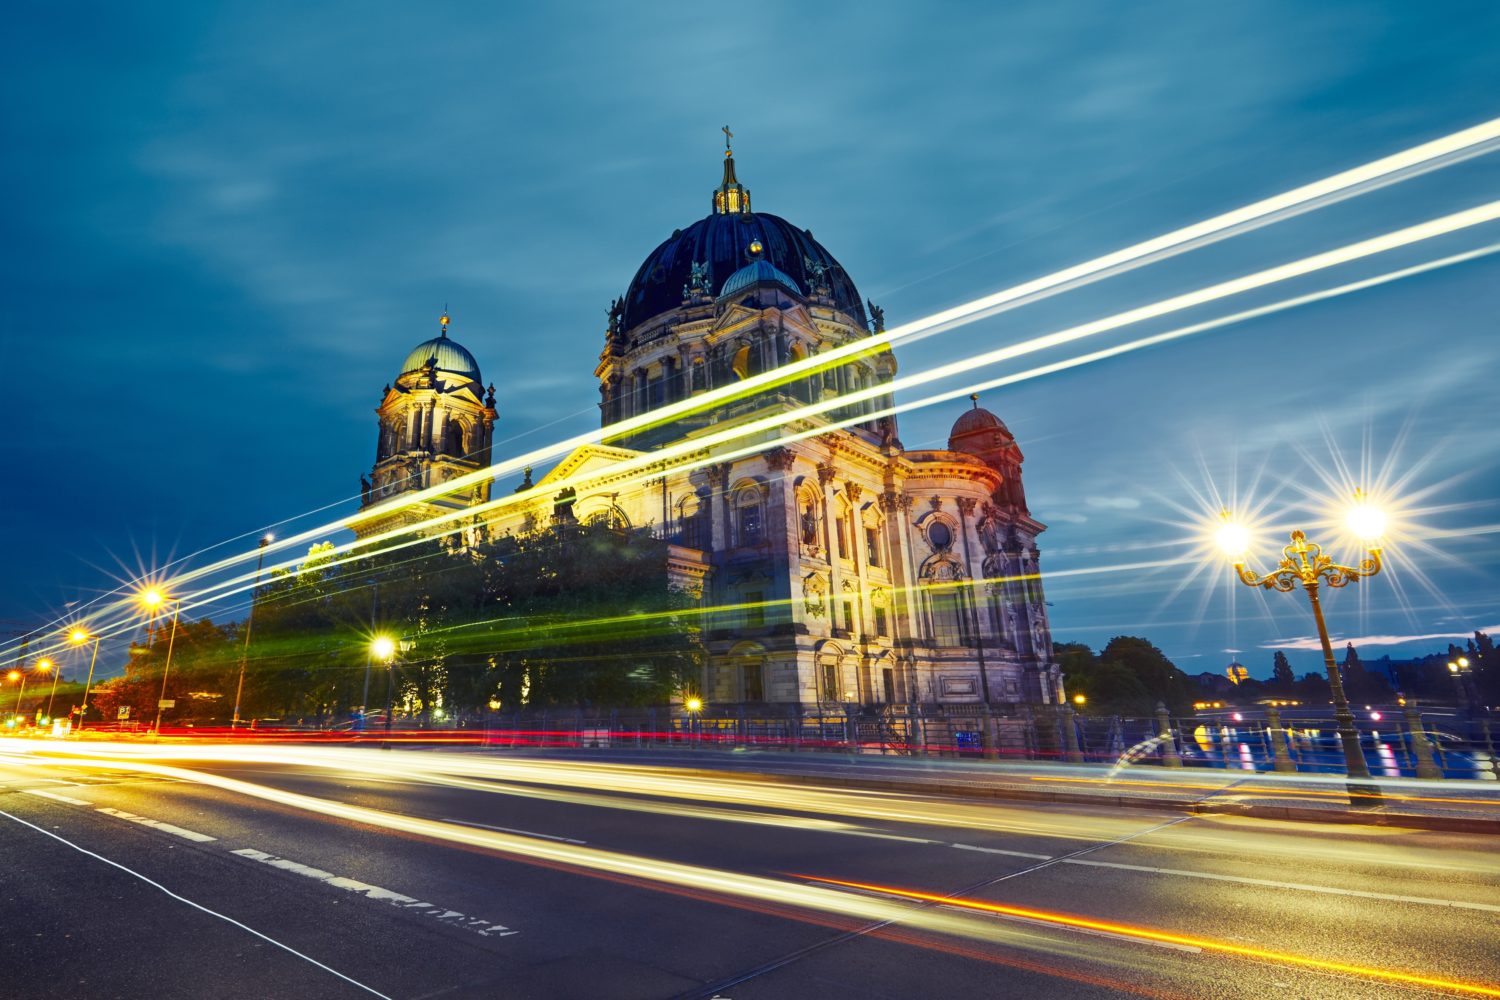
{"x":1282,"y":759}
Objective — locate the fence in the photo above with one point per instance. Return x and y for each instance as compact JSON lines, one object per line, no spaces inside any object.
{"x":1456,"y":745}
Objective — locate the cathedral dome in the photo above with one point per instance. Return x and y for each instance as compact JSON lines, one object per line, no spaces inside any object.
{"x":445,"y":355}
{"x":723,"y":241}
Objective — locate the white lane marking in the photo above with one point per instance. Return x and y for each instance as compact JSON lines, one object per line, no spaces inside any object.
{"x":524,"y":833}
{"x":1301,"y":887}
{"x":156,"y":824}
{"x":199,"y":906}
{"x":996,"y":850}
{"x":53,"y":795}
{"x":484,"y":928}
{"x":886,"y":836}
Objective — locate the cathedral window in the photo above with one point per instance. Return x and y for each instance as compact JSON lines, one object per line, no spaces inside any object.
{"x":881,"y":625}
{"x":830,"y":681}
{"x":453,"y":439}
{"x":748,"y":516}
{"x":949,"y":625}
{"x":872,"y":546}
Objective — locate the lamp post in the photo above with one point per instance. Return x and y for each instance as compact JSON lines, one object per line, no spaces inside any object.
{"x":1462,"y":681}
{"x":1304,"y":563}
{"x":45,"y":664}
{"x":153,"y":599}
{"x":18,"y":675}
{"x":694,"y":706}
{"x":239,"y":688}
{"x":384,"y":648}
{"x":79,"y":637}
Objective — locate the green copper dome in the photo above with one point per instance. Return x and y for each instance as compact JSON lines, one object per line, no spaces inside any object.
{"x":445,"y":355}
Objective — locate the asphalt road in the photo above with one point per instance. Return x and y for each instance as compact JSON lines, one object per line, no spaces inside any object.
{"x":278,"y":872}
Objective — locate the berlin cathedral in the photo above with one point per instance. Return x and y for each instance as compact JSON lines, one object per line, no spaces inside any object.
{"x":860,"y":572}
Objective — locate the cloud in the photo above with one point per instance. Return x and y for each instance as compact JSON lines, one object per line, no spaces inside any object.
{"x":1114,"y":503}
{"x":1067,"y":518}
{"x":1311,"y":642}
{"x":1231,"y":651}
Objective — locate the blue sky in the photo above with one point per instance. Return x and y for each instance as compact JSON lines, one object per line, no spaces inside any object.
{"x":228,"y":223}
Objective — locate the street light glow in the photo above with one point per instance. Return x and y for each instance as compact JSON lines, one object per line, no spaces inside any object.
{"x":43,"y":665}
{"x":693,"y":704}
{"x":152,"y":598}
{"x":1365,"y":519}
{"x":78,"y":637}
{"x":1233,"y":538}
{"x":383,"y":647}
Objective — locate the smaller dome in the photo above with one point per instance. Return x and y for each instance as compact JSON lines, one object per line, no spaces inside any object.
{"x":976,"y":420}
{"x":445,"y":355}
{"x":758,"y":272}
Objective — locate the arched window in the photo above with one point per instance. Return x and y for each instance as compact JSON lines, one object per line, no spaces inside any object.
{"x":749,"y":516}
{"x":692,"y":525}
{"x":610,"y":517}
{"x":740,"y":363}
{"x":453,"y":439}
{"x":949,"y":623}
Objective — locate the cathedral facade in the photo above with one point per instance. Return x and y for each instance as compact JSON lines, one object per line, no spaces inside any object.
{"x":842,"y":568}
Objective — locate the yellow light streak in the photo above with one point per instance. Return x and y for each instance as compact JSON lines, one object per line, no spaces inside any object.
{"x":1445,"y":150}
{"x":582,"y":483}
{"x":1169,"y":937}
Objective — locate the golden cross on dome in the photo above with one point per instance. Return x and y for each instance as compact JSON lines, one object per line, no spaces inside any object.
{"x":444,"y":320}
{"x":727,"y":136}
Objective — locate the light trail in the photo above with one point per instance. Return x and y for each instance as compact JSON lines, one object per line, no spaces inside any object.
{"x":1477,"y":140}
{"x":699,"y":451}
{"x":656,"y":462}
{"x":1169,"y":937}
{"x":792,"y":895}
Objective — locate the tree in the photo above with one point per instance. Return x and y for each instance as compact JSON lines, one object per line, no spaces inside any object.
{"x":1282,"y":677}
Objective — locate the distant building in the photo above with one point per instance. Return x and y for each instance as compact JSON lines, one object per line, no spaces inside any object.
{"x":1236,"y":672}
{"x":859,"y":571}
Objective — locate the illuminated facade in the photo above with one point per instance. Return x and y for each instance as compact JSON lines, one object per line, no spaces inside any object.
{"x":848,"y":569}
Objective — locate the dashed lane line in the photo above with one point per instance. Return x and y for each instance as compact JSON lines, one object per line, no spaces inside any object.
{"x":156,"y":824}
{"x":996,"y":850}
{"x":484,"y":928}
{"x":55,"y":796}
{"x":200,"y":907}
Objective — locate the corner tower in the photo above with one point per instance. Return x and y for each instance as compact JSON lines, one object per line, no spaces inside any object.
{"x":435,"y":425}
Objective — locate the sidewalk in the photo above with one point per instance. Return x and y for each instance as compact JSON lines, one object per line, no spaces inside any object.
{"x":1460,"y":806}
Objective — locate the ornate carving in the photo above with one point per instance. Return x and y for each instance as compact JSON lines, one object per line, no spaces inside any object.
{"x":814,"y":589}
{"x":908,"y":502}
{"x":780,"y":459}
{"x":818,"y":276}
{"x":966,"y":505}
{"x":877,"y":316}
{"x":853,"y":491}
{"x":880,"y":597}
{"x":808,"y":519}
{"x":718,"y":476}
{"x":936,"y":503}
{"x":697,"y":280}
{"x":826,"y":473}
{"x":890,"y":501}
{"x":616,"y":316}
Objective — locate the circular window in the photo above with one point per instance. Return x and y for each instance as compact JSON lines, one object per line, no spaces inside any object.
{"x":940,"y":535}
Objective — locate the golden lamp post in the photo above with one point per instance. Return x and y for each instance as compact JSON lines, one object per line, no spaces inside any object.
{"x":80,"y":637}
{"x":1303,"y":562}
{"x":153,"y":599}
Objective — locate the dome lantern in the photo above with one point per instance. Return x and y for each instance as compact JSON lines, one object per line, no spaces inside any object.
{"x":730,"y":197}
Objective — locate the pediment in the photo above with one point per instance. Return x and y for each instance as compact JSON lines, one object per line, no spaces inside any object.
{"x":587,"y":460}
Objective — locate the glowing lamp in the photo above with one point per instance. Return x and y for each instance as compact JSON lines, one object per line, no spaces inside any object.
{"x":694,"y":704}
{"x":1232,"y":538}
{"x":383,"y":646}
{"x":14,"y":675}
{"x":1364,"y":519}
{"x":1079,"y":699}
{"x":152,"y":598}
{"x":78,"y":637}
{"x":44,"y":664}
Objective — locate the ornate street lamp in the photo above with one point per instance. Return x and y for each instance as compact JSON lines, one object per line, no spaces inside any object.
{"x":1303,"y":562}
{"x":80,"y":637}
{"x":153,"y":599}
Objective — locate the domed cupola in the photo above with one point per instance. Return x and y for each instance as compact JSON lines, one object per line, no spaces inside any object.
{"x":758,"y":272}
{"x":444,"y":356}
{"x":980,"y":433}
